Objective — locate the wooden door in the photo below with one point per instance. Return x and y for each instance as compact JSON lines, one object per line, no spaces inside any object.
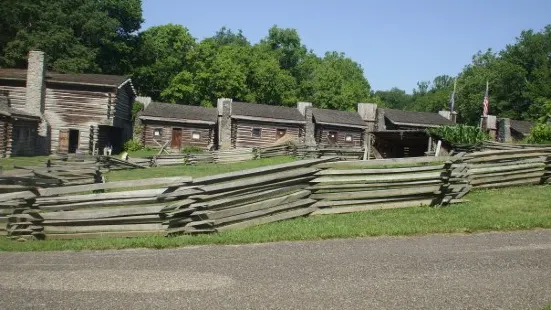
{"x":63,"y":142}
{"x":176,"y":142}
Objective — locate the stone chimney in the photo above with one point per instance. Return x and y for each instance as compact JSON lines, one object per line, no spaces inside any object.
{"x":504,"y":130}
{"x":368,"y":112}
{"x":224,"y":123}
{"x":36,"y":90}
{"x":452,"y":116}
{"x":305,"y":108}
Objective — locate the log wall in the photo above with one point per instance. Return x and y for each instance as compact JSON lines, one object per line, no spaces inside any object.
{"x":322,"y":137}
{"x":17,"y":93}
{"x":242,"y":133}
{"x":75,"y":109}
{"x":24,"y":137}
{"x":4,"y":138}
{"x":206,"y":133}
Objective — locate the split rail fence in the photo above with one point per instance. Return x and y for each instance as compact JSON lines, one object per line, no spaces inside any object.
{"x":183,"y":205}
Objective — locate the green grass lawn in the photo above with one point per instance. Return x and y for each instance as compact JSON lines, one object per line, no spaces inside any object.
{"x":488,"y":210}
{"x":32,"y":161}
{"x":199,"y":170}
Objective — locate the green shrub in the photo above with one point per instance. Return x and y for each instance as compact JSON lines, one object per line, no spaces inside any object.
{"x":132,"y":146}
{"x":460,"y":134}
{"x":540,"y":134}
{"x":191,"y":149}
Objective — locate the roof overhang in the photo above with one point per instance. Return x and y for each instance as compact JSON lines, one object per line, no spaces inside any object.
{"x":176,"y":120}
{"x":416,"y":124}
{"x":267,"y":119}
{"x":342,"y":125}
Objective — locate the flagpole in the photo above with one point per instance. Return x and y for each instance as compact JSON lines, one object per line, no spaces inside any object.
{"x":453,"y":114}
{"x":484,"y":118}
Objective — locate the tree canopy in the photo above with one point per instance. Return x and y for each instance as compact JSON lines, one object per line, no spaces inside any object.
{"x":168,"y":63}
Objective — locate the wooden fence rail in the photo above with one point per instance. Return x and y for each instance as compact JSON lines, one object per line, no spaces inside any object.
{"x":183,"y":205}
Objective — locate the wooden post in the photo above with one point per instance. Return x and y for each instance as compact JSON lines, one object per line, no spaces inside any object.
{"x":438,"y":146}
{"x":429,"y":148}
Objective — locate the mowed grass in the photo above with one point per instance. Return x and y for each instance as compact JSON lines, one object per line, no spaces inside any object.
{"x":196,"y":171}
{"x":28,"y":161}
{"x":489,"y":210}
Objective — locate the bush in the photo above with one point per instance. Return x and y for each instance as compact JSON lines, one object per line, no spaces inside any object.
{"x":540,"y":134}
{"x":132,"y":146}
{"x":460,"y":134}
{"x":191,"y":149}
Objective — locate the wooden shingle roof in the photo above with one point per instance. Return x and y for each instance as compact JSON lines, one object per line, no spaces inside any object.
{"x":103,"y":80}
{"x":338,"y":118}
{"x":522,"y":127}
{"x":265,"y":112}
{"x":172,"y":112}
{"x":416,"y":119}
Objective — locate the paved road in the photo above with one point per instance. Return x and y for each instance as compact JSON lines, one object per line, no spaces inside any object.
{"x":480,"y":271}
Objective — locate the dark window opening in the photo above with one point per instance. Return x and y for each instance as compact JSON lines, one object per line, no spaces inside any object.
{"x":256,"y":132}
{"x":332,"y":137}
{"x":281,"y":133}
{"x":73,"y":140}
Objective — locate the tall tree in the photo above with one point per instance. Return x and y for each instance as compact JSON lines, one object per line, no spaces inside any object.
{"x":76,"y":35}
{"x":163,"y":52}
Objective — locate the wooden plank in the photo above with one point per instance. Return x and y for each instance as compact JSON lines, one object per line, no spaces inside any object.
{"x":503,"y":157}
{"x":98,"y":213}
{"x":338,"y":203}
{"x":230,"y":200}
{"x":266,"y":178}
{"x":338,"y":187}
{"x":371,"y":207}
{"x":102,"y":228}
{"x":259,"y":171}
{"x":254,"y":214}
{"x":501,"y":179}
{"x":145,"y":193}
{"x":532,"y":181}
{"x":170,"y":181}
{"x":127,"y":220}
{"x":17,"y":195}
{"x":99,"y":203}
{"x":255,"y":189}
{"x":383,"y":162}
{"x":123,"y":234}
{"x":272,"y":218}
{"x":267,"y":203}
{"x":378,"y":178}
{"x":378,"y":193}
{"x":475,"y":171}
{"x":379,"y":171}
{"x":506,"y":173}
{"x":505,"y":152}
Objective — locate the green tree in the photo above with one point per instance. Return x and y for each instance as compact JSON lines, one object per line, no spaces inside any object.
{"x":162,"y":54}
{"x":76,"y":35}
{"x":395,"y":98}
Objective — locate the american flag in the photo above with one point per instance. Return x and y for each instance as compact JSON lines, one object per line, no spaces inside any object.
{"x":452,"y":98}
{"x":486,"y":103}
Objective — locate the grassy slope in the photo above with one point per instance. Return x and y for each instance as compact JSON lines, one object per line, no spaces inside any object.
{"x":505,"y":209}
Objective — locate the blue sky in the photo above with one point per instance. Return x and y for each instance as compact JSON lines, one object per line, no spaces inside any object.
{"x":397,"y":42}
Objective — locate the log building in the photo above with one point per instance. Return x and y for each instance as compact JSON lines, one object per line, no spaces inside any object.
{"x":76,"y":111}
{"x":245,"y":125}
{"x":179,"y":126}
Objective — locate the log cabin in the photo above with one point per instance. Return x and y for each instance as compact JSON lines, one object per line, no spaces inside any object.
{"x":18,"y":130}
{"x":179,"y":126}
{"x":77,"y":111}
{"x":338,"y":128}
{"x":403,"y":133}
{"x":246,"y":125}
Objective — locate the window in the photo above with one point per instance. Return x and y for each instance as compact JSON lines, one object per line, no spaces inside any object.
{"x":158,"y":132}
{"x":195,"y":135}
{"x":281,"y":133}
{"x":257,"y":132}
{"x":348,"y":138}
{"x":332,"y":137}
